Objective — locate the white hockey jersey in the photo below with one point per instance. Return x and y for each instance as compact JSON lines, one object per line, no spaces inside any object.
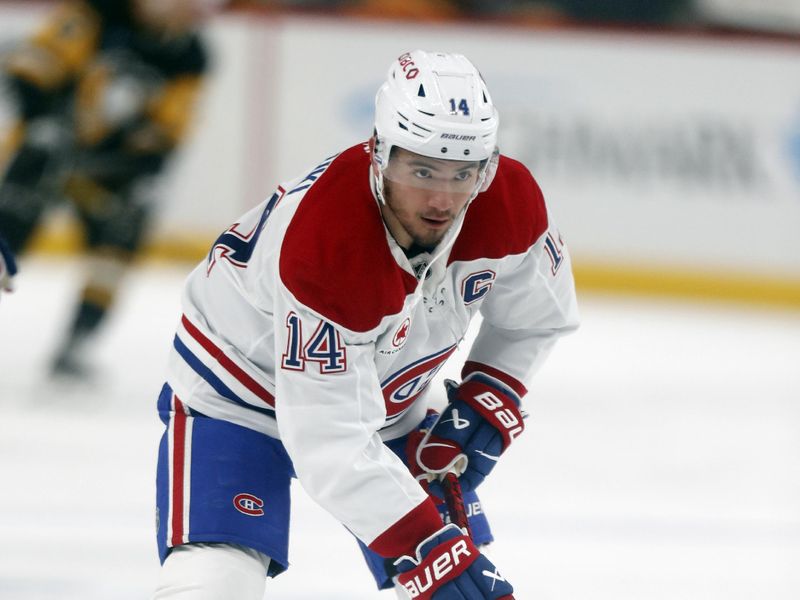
{"x":308,"y":323}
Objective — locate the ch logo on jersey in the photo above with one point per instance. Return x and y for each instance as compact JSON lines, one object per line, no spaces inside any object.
{"x":476,"y":285}
{"x":402,"y":387}
{"x":249,"y":505}
{"x":236,"y":246}
{"x":401,"y":334}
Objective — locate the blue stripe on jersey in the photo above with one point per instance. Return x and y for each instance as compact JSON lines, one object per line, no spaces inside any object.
{"x":298,"y":189}
{"x":215,"y":382}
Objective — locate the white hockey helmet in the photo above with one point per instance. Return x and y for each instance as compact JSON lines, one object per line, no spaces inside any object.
{"x":436,"y":105}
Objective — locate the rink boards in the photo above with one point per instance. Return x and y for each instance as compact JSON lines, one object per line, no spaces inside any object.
{"x":671,"y":162}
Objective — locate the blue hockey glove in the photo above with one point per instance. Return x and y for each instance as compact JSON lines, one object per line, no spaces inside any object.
{"x":448,"y":566}
{"x":476,"y":427}
{"x":8,"y":268}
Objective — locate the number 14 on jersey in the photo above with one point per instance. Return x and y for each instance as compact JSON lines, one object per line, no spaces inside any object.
{"x":324,"y":347}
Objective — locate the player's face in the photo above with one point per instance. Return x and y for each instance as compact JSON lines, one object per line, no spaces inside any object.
{"x":425,"y":195}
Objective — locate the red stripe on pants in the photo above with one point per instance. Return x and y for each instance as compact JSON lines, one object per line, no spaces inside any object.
{"x":178,"y":457}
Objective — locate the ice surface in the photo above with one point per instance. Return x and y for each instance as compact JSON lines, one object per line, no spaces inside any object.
{"x":661,"y":460}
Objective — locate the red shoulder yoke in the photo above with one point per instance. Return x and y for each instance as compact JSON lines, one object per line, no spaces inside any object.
{"x":506,"y":219}
{"x":335,"y":258}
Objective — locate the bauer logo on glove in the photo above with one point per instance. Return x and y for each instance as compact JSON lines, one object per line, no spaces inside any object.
{"x":448,"y":566}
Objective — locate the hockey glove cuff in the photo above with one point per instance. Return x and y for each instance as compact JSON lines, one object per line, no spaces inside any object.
{"x":448,"y":566}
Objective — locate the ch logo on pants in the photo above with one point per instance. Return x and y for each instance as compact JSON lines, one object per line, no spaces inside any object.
{"x":249,"y":505}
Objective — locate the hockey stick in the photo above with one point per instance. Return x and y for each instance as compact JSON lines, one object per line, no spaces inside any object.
{"x":455,"y":501}
{"x":455,"y":505}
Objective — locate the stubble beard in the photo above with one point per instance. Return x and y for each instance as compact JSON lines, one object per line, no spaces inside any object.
{"x":425,"y":240}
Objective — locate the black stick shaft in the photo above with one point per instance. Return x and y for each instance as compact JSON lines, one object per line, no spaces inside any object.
{"x":455,"y":502}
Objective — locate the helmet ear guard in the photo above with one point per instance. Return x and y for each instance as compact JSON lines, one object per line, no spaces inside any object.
{"x":490,"y":170}
{"x":377,"y":165}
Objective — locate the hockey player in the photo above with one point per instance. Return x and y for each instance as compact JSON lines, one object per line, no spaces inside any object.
{"x":104,"y":91}
{"x":311,"y":333}
{"x":8,"y":267}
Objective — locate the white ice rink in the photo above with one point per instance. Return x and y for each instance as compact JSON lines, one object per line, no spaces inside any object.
{"x":661,"y":461}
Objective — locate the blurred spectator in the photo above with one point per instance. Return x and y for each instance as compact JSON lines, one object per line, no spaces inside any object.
{"x":768,"y":15}
{"x":776,"y":15}
{"x":104,"y":92}
{"x":406,"y":9}
{"x":629,"y":12}
{"x":8,"y":267}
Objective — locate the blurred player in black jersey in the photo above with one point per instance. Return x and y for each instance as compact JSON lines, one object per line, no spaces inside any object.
{"x":104,"y":92}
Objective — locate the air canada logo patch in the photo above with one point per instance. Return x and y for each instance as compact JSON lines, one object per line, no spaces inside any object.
{"x":249,"y":505}
{"x":401,"y":334}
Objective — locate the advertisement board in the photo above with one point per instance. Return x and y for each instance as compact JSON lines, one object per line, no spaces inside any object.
{"x":657,"y":153}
